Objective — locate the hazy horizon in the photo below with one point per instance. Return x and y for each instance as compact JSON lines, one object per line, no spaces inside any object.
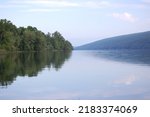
{"x":80,"y":21}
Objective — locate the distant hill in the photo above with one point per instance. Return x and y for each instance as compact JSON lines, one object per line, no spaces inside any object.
{"x":130,"y":41}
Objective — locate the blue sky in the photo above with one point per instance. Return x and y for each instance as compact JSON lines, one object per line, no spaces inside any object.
{"x":80,"y":21}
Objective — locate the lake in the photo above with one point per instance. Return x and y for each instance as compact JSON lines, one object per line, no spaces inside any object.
{"x":76,"y":75}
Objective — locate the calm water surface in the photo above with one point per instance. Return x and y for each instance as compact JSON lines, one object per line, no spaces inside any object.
{"x":78,"y":75}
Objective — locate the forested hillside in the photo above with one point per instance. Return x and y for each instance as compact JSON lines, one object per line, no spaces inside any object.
{"x":29,"y":39}
{"x":130,"y":41}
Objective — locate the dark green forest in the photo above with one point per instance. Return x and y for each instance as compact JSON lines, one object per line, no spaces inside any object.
{"x":29,"y":39}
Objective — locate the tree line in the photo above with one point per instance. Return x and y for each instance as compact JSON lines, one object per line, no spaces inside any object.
{"x":29,"y":39}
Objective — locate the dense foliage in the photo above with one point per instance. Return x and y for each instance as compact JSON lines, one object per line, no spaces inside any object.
{"x":130,"y":41}
{"x":29,"y":39}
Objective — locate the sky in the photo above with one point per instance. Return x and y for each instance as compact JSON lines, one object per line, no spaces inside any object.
{"x":80,"y":21}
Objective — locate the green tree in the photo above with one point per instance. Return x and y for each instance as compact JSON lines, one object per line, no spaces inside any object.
{"x":30,"y":38}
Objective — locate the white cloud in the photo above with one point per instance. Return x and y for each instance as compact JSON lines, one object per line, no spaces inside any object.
{"x":124,"y":16}
{"x":38,"y":5}
{"x":44,"y":3}
{"x":96,"y":4}
{"x":60,"y":4}
{"x":48,"y":5}
{"x":42,"y":10}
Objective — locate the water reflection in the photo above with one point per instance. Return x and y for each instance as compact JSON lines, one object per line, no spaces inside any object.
{"x":87,"y":75}
{"x":29,"y":64}
{"x":131,"y":56}
{"x":126,"y":80}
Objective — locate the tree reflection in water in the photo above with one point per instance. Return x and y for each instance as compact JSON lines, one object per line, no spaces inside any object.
{"x":29,"y":64}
